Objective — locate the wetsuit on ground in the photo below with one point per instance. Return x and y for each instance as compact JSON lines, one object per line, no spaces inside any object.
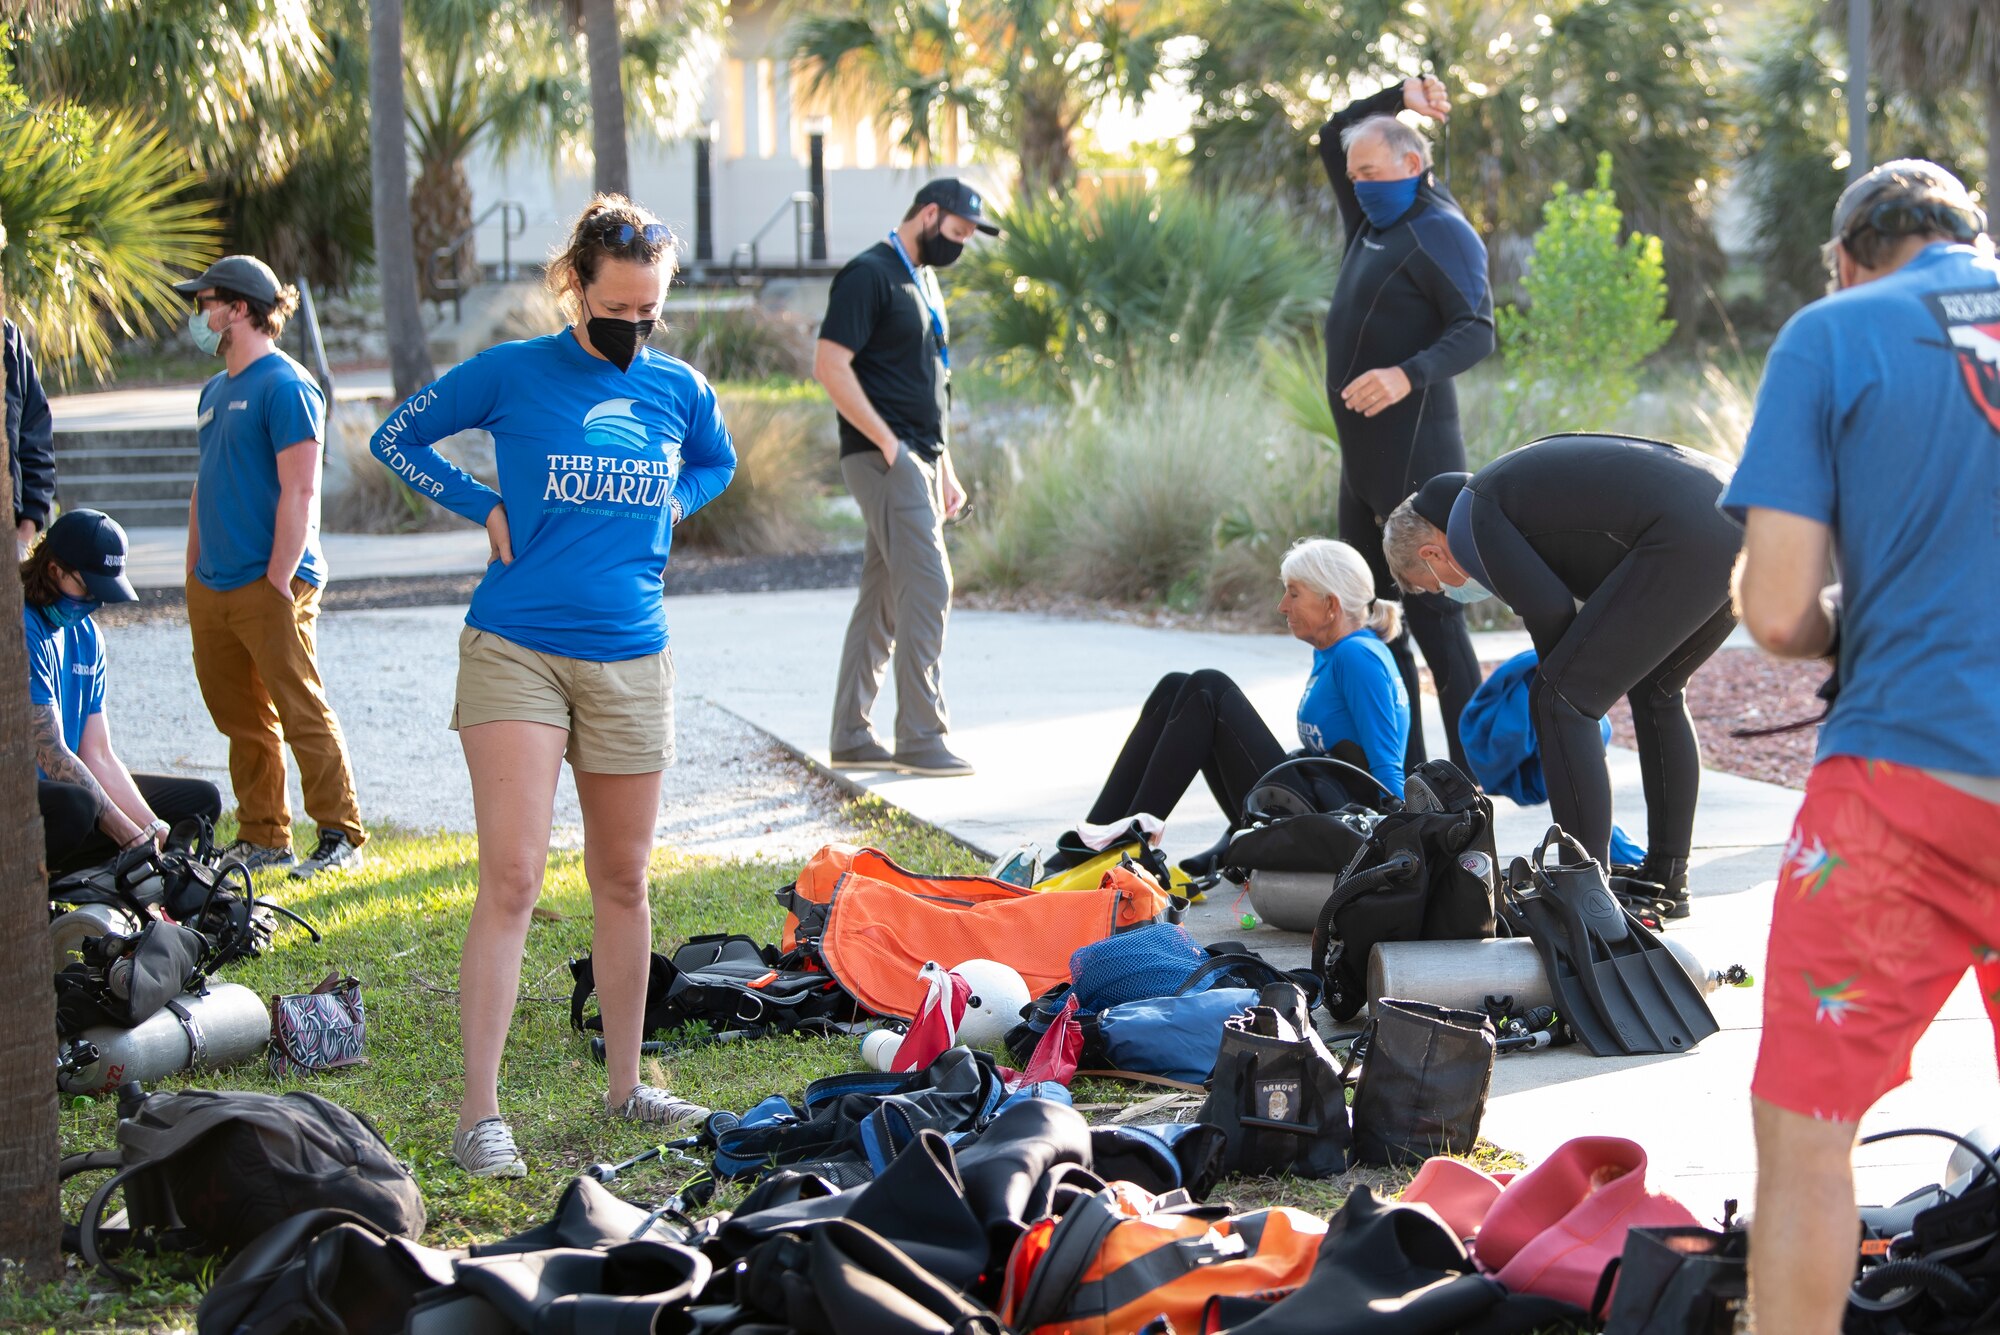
{"x":1612,"y":551}
{"x":1413,"y":295}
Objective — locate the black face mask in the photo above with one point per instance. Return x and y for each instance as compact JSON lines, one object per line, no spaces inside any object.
{"x":617,"y":340}
{"x":936,"y":249}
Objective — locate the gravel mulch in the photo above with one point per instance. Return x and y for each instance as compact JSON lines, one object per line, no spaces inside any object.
{"x":1745,"y":688}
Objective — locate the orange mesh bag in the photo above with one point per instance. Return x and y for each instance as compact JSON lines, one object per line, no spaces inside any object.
{"x":874,"y":924}
{"x":1126,"y":1257}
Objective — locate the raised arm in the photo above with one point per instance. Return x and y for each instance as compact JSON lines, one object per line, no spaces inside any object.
{"x":1334,"y":158}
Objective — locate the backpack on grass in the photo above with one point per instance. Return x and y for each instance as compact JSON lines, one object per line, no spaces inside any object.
{"x":729,"y":985}
{"x":213,"y":1170}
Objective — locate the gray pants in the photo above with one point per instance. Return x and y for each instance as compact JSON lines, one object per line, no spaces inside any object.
{"x":905,"y":597}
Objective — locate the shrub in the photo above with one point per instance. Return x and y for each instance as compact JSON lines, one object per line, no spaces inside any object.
{"x":1073,"y":293}
{"x":1596,"y":308}
{"x":774,"y":502}
{"x":1125,"y":498}
{"x":738,"y":343}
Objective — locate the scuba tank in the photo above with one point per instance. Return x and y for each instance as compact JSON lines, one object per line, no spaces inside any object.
{"x":1461,"y":975}
{"x":223,"y":1025}
{"x":70,"y":930}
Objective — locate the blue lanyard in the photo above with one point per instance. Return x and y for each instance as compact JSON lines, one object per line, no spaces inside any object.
{"x":937,"y":317}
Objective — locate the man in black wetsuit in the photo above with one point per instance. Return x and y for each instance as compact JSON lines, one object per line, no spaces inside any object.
{"x":1412,"y":310}
{"x":1612,"y":551}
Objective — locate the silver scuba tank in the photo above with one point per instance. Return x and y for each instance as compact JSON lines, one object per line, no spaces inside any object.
{"x":1462,"y":974}
{"x":224,"y":1025}
{"x":70,"y":930}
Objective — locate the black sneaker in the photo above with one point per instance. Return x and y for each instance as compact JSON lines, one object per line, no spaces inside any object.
{"x":867,"y":756}
{"x":256,"y":857}
{"x":335,"y":852}
{"x":934,"y":761}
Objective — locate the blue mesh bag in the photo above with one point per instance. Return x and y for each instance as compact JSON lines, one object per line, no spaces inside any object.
{"x":1156,"y":960}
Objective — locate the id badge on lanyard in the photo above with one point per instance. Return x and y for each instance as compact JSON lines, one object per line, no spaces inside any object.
{"x":937,"y":316}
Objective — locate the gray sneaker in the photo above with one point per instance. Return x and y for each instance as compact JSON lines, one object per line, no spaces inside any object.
{"x":256,"y":857}
{"x":336,"y":852}
{"x":869,"y":755}
{"x":657,"y":1107}
{"x":934,"y":761}
{"x":486,"y":1149}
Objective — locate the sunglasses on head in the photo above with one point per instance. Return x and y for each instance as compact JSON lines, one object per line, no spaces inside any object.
{"x":1907,"y":217}
{"x":621,"y":235}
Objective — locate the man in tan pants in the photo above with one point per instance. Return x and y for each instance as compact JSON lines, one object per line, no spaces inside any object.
{"x":885,"y":360}
{"x":254,"y":572}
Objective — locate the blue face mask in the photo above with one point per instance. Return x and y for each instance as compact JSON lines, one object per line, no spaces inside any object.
{"x":208,"y":340}
{"x":67,"y":611}
{"x":1472,"y":591}
{"x":1386,"y":201}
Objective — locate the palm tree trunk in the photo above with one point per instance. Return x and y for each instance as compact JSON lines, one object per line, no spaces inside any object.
{"x":395,"y":248}
{"x":30,"y":1206}
{"x":607,"y":97}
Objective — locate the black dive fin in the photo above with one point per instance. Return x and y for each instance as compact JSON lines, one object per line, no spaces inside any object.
{"x":1636,"y":986}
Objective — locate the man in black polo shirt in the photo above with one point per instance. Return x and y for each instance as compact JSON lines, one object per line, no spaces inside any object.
{"x":885,"y":361}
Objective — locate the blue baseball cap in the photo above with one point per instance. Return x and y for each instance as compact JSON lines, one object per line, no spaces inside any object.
{"x":93,"y":544}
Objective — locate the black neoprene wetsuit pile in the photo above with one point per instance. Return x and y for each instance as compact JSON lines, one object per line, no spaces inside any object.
{"x":1413,"y":295}
{"x":1612,"y":551}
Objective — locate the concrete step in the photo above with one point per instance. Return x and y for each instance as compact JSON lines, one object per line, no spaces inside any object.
{"x":136,"y":513}
{"x":139,"y":438}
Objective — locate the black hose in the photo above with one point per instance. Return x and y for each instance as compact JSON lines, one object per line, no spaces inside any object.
{"x":1937,"y":1281}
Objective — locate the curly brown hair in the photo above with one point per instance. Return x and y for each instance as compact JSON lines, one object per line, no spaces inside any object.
{"x":266,"y":317}
{"x":38,"y":577}
{"x":593,"y":239}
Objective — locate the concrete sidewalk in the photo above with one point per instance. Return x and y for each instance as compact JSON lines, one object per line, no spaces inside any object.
{"x":1041,"y":706}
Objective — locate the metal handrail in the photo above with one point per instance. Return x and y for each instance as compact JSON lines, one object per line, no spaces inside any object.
{"x":799,"y":204}
{"x":315,"y":344}
{"x":443,"y":263}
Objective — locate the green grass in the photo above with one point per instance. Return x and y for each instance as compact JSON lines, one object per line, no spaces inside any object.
{"x":397,"y":924}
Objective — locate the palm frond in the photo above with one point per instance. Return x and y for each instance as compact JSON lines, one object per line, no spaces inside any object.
{"x":98,"y":219}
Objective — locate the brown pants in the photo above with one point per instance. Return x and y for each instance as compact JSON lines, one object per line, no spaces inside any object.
{"x":256,"y":657}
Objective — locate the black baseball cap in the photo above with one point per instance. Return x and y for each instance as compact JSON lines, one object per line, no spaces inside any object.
{"x":239,"y":273}
{"x":955,"y":196}
{"x":92,"y":544}
{"x":1435,"y":498}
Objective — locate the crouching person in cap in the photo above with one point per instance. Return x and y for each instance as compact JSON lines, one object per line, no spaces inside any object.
{"x":1612,"y":551}
{"x":254,"y":571}
{"x":92,"y":806}
{"x":885,"y":360}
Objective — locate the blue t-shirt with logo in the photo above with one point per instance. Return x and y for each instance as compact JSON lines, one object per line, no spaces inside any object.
{"x":245,"y":421}
{"x":1356,"y":695}
{"x":589,"y":459}
{"x":1879,"y":415}
{"x":65,"y":669}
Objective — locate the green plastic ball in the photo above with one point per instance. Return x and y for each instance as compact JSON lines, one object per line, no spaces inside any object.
{"x":1249,"y":921}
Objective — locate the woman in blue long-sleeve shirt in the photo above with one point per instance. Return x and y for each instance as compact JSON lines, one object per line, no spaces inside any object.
{"x":602,"y":445}
{"x":1201,"y":723}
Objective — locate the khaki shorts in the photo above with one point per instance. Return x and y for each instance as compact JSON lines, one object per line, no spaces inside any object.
{"x":619,"y":716}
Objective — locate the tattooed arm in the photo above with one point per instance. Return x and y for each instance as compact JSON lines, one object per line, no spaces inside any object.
{"x":63,"y":765}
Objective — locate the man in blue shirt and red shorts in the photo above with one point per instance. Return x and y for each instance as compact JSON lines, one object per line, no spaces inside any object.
{"x":1875,"y":452}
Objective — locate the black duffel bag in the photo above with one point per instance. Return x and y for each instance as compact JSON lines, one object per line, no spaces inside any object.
{"x":1277,"y":1093}
{"x":1424,"y":1077}
{"x":1425,"y":873}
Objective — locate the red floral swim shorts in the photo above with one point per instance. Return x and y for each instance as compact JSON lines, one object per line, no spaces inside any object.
{"x":1889,"y":892}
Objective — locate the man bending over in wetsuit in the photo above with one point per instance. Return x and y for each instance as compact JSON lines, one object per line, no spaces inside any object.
{"x":1412,"y":310}
{"x":1612,"y":551}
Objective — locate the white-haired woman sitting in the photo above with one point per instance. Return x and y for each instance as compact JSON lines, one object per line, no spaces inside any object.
{"x":1354,"y":707}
